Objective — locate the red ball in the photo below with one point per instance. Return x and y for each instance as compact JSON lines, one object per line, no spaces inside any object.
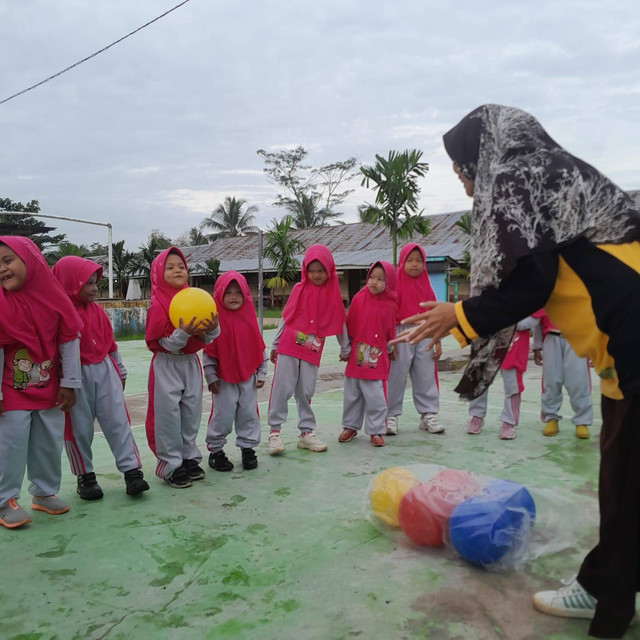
{"x":424,"y":510}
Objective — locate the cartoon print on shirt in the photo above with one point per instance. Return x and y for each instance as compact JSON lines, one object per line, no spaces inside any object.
{"x":27,"y":373}
{"x":368,"y":356}
{"x":40,"y":374}
{"x":309,"y":341}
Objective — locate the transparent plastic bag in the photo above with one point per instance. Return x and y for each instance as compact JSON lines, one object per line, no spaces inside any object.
{"x":490,"y":522}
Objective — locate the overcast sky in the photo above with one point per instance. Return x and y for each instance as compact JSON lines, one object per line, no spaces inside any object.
{"x":156,"y":131}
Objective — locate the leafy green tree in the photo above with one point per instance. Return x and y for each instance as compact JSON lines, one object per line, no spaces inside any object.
{"x":66,"y":249}
{"x":192,"y":238}
{"x":125,"y":264}
{"x":310,"y":194}
{"x":27,"y":225}
{"x":156,"y":243}
{"x":281,"y":249}
{"x":464,"y":270}
{"x":211,"y":269}
{"x":230,"y":219}
{"x":395,"y":181}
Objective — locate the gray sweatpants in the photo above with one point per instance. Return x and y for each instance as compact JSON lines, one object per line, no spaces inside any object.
{"x":175,"y":400}
{"x":234,"y":403}
{"x":365,"y":400}
{"x":511,"y":410}
{"x":415,"y":361}
{"x":561,"y":366}
{"x":292,"y":376}
{"x":100,"y":398}
{"x":31,"y":440}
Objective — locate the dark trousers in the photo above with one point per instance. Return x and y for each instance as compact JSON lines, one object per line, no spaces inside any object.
{"x":611,"y":572}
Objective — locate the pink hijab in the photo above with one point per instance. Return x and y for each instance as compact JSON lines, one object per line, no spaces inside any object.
{"x":158,"y":324}
{"x":39,"y":315}
{"x":239,"y":348}
{"x":372,"y":318}
{"x":412,"y":291}
{"x":312,"y":309}
{"x":96,"y":338}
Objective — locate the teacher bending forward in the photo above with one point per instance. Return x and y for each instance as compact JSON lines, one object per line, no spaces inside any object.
{"x":548,"y":230}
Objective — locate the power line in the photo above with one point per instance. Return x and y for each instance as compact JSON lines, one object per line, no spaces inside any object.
{"x":93,"y":55}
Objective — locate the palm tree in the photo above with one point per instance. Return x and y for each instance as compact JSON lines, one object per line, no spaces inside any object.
{"x":281,"y":249}
{"x":395,"y":181}
{"x":464,"y":270}
{"x":228,"y":220}
{"x":125,"y":264}
{"x":66,"y":249}
{"x":157,"y":243}
{"x":306,"y":214}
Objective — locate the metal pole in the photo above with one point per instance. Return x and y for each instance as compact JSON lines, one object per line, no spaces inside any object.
{"x":110,"y":241}
{"x":99,"y":224}
{"x":260,"y":300}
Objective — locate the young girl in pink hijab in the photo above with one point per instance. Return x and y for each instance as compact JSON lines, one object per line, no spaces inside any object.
{"x":175,"y":376}
{"x":414,"y":360}
{"x":313,"y":311}
{"x":39,"y":331}
{"x":370,"y":325}
{"x":101,"y":396}
{"x":235,"y":367}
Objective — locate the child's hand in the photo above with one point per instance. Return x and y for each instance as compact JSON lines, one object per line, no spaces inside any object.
{"x":193,"y":327}
{"x":537,"y":356}
{"x":273,"y":356}
{"x":259,"y":384}
{"x":392,"y":353}
{"x":214,"y":387}
{"x":210,"y":324}
{"x":343,"y":357}
{"x":66,"y":399}
{"x":437,"y":350}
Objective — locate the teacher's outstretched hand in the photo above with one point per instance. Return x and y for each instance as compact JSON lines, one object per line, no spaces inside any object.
{"x":435,"y":323}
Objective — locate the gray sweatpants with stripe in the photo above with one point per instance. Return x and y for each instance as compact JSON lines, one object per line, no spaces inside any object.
{"x":31,"y":440}
{"x":177,"y":409}
{"x":415,"y":361}
{"x":101,"y":398}
{"x":511,"y":410}
{"x":364,"y":400}
{"x":292,"y":376}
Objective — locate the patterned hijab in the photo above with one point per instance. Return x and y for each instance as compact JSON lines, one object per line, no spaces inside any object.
{"x":530,"y":196}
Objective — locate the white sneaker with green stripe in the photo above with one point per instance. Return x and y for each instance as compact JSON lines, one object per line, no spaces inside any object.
{"x":571,"y":601}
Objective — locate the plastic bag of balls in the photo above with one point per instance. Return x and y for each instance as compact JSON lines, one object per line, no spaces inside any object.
{"x":494,"y":523}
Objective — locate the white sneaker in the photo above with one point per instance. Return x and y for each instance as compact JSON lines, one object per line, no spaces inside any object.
{"x":310,"y":441}
{"x":429,"y":422}
{"x":392,"y":425}
{"x":275,"y":443}
{"x":571,"y":601}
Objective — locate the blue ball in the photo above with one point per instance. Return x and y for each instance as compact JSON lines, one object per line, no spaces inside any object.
{"x":482,"y":529}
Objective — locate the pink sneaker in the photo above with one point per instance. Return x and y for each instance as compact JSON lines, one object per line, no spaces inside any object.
{"x":507,"y":432}
{"x":474,"y":425}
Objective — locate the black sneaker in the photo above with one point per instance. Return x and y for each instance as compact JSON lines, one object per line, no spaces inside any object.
{"x":88,"y":487}
{"x":193,"y":469}
{"x":219,"y":461}
{"x":249,"y":460}
{"x":179,"y":479}
{"x":134,"y":479}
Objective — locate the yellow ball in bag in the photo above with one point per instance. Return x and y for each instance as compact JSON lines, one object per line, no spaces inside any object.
{"x":191,"y":302}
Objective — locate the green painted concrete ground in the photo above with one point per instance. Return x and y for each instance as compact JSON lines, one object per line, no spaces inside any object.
{"x":285,"y":551}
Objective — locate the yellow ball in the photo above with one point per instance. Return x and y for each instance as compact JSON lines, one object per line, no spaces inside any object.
{"x":191,"y":302}
{"x":387,"y":489}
